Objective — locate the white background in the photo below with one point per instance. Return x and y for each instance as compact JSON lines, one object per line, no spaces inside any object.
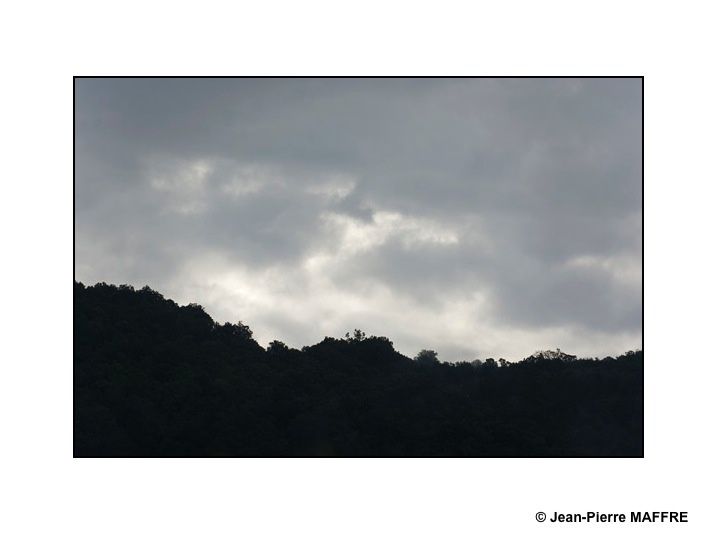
{"x":48,"y":494}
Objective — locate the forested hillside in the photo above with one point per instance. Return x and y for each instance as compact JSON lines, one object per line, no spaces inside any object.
{"x":152,"y":378}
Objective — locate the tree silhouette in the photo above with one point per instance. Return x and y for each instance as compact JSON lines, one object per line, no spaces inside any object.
{"x":152,"y":378}
{"x":426,"y":357}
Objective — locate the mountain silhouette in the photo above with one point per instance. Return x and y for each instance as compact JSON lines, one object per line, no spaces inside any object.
{"x":152,"y":378}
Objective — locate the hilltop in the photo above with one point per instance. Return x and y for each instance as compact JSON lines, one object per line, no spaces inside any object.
{"x":152,"y":378}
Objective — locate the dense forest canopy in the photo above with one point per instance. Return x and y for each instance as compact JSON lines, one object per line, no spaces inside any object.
{"x":152,"y":378}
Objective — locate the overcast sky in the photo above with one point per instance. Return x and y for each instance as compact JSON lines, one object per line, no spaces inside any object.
{"x":476,"y":217}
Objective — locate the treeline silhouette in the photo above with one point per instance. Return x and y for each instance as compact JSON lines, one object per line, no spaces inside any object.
{"x":152,"y":378}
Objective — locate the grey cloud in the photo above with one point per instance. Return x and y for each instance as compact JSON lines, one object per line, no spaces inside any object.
{"x":521,"y":197}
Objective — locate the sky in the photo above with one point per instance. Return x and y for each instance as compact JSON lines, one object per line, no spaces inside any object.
{"x":475,"y":217}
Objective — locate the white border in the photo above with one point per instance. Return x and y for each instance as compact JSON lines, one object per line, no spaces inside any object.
{"x":47,"y":494}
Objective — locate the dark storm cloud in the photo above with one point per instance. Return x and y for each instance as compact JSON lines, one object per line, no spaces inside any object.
{"x":495,"y":216}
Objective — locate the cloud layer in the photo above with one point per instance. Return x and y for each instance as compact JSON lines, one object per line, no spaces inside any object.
{"x":477,"y":217}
